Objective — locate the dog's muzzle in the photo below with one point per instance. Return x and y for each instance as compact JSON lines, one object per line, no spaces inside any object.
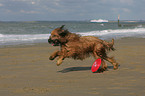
{"x":54,"y":42}
{"x":49,"y":41}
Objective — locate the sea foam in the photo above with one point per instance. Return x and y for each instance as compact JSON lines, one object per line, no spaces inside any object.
{"x":117,"y":33}
{"x":103,"y":34}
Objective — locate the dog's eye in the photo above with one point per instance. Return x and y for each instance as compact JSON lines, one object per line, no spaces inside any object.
{"x":54,"y":36}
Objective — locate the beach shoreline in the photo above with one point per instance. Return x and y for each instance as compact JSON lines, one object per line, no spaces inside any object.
{"x":27,"y":71}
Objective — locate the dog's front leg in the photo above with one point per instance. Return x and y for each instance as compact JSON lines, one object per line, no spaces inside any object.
{"x":54,"y":55}
{"x":62,"y":55}
{"x":60,"y":60}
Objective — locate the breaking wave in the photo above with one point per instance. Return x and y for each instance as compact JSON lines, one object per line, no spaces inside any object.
{"x":103,"y":34}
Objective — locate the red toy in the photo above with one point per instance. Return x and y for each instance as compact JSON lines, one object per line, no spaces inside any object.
{"x":96,"y":65}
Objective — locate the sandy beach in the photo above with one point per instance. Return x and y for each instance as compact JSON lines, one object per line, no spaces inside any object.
{"x":25,"y":70}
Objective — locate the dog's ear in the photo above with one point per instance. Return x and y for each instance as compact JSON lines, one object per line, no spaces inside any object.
{"x":63,"y":33}
{"x":62,"y":27}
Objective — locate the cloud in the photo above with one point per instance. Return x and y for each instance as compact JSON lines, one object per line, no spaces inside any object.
{"x":1,"y":5}
{"x":33,"y":2}
{"x":126,"y":10}
{"x":121,"y":10}
{"x":29,"y":12}
{"x":71,"y":9}
{"x":128,"y":2}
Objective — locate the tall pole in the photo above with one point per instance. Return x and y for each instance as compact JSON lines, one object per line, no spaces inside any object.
{"x":119,"y":25}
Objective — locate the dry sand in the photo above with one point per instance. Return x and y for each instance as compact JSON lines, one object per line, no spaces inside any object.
{"x":26,"y":71}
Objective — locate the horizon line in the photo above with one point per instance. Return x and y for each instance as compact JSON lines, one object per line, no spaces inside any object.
{"x":65,"y":20}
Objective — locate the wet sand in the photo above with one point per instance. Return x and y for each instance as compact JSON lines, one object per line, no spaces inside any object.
{"x":25,"y":70}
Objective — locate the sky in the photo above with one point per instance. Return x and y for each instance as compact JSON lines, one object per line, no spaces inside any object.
{"x":66,"y":10}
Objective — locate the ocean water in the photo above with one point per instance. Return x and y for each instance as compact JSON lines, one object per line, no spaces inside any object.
{"x":13,"y":33}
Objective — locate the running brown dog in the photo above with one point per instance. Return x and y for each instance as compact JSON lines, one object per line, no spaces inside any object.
{"x":80,"y":47}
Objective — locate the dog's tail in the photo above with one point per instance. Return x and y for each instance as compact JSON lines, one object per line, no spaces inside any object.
{"x":109,"y":45}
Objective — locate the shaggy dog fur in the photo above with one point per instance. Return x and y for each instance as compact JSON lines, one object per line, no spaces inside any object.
{"x":80,"y":47}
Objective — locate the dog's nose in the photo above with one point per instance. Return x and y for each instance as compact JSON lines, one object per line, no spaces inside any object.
{"x":49,"y":40}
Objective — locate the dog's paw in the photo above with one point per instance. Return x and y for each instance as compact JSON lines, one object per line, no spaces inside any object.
{"x":51,"y":58}
{"x":100,"y":70}
{"x":116,"y":66}
{"x":59,"y":62}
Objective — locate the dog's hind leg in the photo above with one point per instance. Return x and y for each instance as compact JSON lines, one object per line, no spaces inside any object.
{"x":113,"y":61}
{"x":104,"y":65}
